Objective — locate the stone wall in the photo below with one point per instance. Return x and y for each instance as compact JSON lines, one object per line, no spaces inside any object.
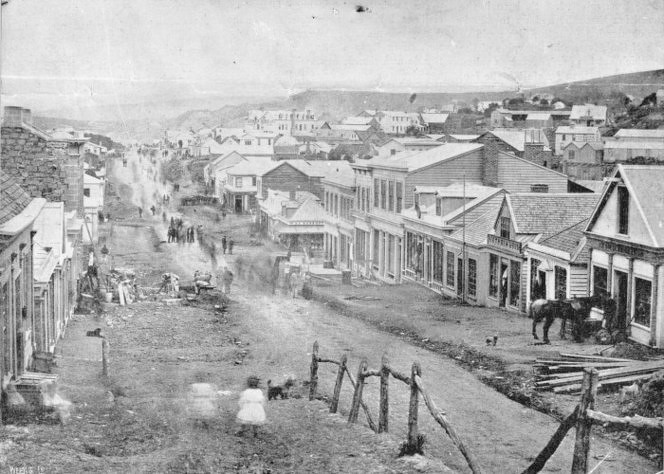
{"x":44,"y":168}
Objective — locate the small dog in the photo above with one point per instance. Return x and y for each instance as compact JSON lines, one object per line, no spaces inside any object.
{"x":492,"y":341}
{"x":630,"y":391}
{"x":96,"y":333}
{"x":274,"y":391}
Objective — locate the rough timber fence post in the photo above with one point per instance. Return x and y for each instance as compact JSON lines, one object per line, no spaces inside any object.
{"x":384,"y":399}
{"x":337,"y":386}
{"x":553,"y":443}
{"x":583,"y":422}
{"x":412,"y":410}
{"x":357,"y":395}
{"x":313,"y":382}
{"x":104,"y":356}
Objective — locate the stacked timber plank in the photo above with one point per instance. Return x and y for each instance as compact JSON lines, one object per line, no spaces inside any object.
{"x":564,"y":374}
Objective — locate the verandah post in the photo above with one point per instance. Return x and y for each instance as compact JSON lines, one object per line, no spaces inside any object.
{"x":412,"y":409}
{"x":337,"y":386}
{"x":583,"y":422}
{"x":313,"y":381}
{"x":357,"y":395}
{"x":384,"y":398}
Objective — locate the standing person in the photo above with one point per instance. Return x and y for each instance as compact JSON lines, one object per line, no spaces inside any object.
{"x":163,"y":216}
{"x":227,"y":280}
{"x":223,"y":213}
{"x":223,"y":243}
{"x":140,"y":212}
{"x":231,"y":242}
{"x":104,"y":253}
{"x":153,"y":209}
{"x":213,"y":255}
{"x":252,"y":407}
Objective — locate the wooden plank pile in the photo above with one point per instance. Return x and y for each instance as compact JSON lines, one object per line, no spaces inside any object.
{"x":564,"y":374}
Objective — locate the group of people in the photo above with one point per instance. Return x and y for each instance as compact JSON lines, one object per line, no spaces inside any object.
{"x":178,"y":233}
{"x":227,"y":243}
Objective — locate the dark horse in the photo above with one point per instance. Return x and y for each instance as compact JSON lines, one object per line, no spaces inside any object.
{"x":575,"y":309}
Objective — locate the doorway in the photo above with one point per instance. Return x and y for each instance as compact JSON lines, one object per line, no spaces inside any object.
{"x":238,"y":204}
{"x":460,"y":277}
{"x":504,"y":275}
{"x":620,"y":296}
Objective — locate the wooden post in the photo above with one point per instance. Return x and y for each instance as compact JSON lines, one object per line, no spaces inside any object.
{"x":384,"y":399}
{"x":313,"y":382}
{"x":337,"y":386}
{"x":357,"y":395}
{"x":553,"y":444}
{"x":370,"y":421}
{"x":583,"y":422}
{"x":412,"y":410}
{"x":104,"y":357}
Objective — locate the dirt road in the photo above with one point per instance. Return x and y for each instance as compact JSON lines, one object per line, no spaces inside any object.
{"x":503,"y":434}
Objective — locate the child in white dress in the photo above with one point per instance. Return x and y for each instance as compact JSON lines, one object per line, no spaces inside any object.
{"x":252,"y":407}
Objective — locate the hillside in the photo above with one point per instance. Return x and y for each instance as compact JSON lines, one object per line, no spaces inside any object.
{"x":601,"y":89}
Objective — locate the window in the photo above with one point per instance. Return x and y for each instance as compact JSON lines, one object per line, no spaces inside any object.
{"x":515,"y":283}
{"x":376,"y":248}
{"x":570,"y":154}
{"x":439,"y":207}
{"x":376,"y":192}
{"x":642,"y":301}
{"x":599,"y":156}
{"x":505,"y":227}
{"x":390,"y":200}
{"x":247,"y":142}
{"x":493,"y":275}
{"x":390,"y":254}
{"x":438,"y":261}
{"x":253,"y":180}
{"x":472,"y":277}
{"x":360,"y":245}
{"x":383,"y":194}
{"x":600,"y":278}
{"x":238,"y":182}
{"x":539,"y":188}
{"x":450,"y":269}
{"x":86,"y":192}
{"x":623,"y":210}
{"x":336,"y":204}
{"x":560,"y":282}
{"x":564,"y":137}
{"x":399,"y":196}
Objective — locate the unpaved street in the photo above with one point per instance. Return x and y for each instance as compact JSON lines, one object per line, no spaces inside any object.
{"x":503,"y":434}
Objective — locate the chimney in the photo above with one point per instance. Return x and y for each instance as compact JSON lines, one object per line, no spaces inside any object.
{"x":27,"y":116}
{"x":533,"y":146}
{"x":490,"y":168}
{"x":13,"y":116}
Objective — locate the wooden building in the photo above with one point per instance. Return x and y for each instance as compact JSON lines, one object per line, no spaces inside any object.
{"x":626,"y":239}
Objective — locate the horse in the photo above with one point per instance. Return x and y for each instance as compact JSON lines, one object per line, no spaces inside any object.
{"x":575,"y":309}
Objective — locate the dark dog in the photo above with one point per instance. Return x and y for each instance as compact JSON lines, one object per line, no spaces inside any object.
{"x":274,"y":391}
{"x":96,"y":333}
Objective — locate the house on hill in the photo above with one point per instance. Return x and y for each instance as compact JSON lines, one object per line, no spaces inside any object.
{"x":575,"y":134}
{"x":626,"y":239}
{"x":434,"y":122}
{"x":240,"y":185}
{"x":531,"y":144}
{"x":214,"y":173}
{"x":589,"y":115}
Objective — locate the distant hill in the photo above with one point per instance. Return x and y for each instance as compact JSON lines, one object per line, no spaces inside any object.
{"x":602,"y":89}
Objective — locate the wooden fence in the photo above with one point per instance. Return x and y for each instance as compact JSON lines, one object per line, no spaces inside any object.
{"x":414,"y":381}
{"x":581,"y":418}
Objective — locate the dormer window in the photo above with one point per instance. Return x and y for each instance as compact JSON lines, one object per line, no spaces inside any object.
{"x":623,"y":210}
{"x":505,"y":227}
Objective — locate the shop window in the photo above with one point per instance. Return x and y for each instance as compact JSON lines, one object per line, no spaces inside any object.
{"x":642,"y":301}
{"x":438,"y":261}
{"x":515,"y":283}
{"x":472,"y":277}
{"x":560,"y":277}
{"x":493,"y":275}
{"x":600,"y":279}
{"x":86,"y":192}
{"x":623,"y":210}
{"x":450,"y":269}
{"x":390,"y":254}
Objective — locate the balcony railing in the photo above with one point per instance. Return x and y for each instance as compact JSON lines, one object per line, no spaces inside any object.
{"x":503,"y":243}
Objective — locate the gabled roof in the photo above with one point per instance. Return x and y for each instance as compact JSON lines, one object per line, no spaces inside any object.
{"x":646,"y":187}
{"x":50,"y":227}
{"x":357,"y":120}
{"x":350,"y":127}
{"x":623,"y":144}
{"x":309,"y":210}
{"x":476,"y":231}
{"x":226,"y":160}
{"x":580,"y":145}
{"x":13,"y":199}
{"x":638,"y":133}
{"x":251,"y":167}
{"x":516,"y":138}
{"x":548,"y":213}
{"x":539,"y":116}
{"x":417,"y":160}
{"x":597,"y":112}
{"x":337,"y":172}
{"x":571,"y":240}
{"x":582,"y":130}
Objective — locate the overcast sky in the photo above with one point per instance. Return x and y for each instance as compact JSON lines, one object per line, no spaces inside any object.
{"x":101,"y":51}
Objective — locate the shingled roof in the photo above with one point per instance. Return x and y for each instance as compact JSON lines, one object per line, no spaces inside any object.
{"x":570,"y":240}
{"x":13,"y":199}
{"x":547,"y":214}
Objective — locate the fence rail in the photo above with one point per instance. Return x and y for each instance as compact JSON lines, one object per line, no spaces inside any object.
{"x":582,"y":418}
